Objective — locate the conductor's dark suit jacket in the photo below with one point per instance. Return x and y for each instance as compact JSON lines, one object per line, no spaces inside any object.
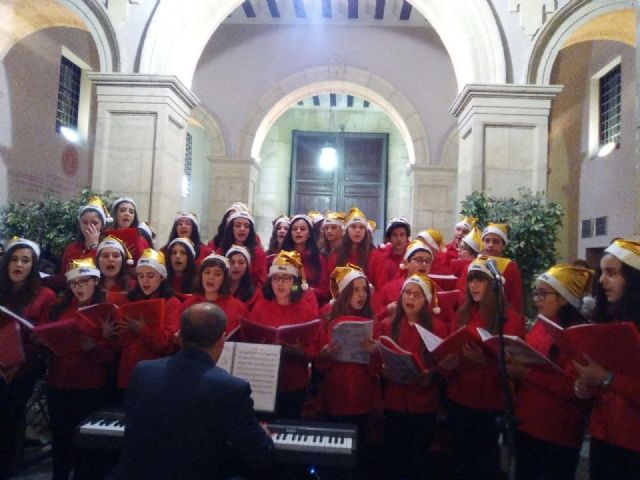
{"x":183,"y":415}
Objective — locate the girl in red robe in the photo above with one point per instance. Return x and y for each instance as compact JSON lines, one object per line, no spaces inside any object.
{"x":475,"y":391}
{"x":187,"y":225}
{"x":551,"y":419}
{"x":125,"y":216}
{"x":241,"y":285}
{"x":283,"y":304}
{"x":615,"y":418}
{"x":411,"y":403}
{"x":212,"y":285}
{"x":21,"y":292}
{"x":182,"y":270}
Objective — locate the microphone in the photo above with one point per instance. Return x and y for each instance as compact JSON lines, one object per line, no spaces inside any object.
{"x":493,"y":268}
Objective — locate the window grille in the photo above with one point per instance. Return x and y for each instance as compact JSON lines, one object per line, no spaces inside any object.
{"x":610,"y":106}
{"x":68,"y":95}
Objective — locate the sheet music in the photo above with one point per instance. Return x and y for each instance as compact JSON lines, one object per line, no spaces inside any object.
{"x":226,"y":357}
{"x":259,"y":365}
{"x":349,"y":336}
{"x":23,"y":321}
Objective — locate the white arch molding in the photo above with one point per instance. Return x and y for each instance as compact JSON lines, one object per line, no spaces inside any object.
{"x":391,"y":101}
{"x":551,"y":39}
{"x":468,"y":30}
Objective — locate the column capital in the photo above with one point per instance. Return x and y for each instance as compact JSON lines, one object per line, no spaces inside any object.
{"x":492,"y":98}
{"x":139,"y":87}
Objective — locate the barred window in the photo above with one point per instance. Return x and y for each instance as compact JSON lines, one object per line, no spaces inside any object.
{"x":68,"y":95}
{"x":610,"y":106}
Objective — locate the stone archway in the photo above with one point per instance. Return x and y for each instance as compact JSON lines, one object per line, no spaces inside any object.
{"x":559,"y":30}
{"x":467,"y":28}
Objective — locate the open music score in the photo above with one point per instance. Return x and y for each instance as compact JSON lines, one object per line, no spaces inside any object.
{"x":259,"y":365}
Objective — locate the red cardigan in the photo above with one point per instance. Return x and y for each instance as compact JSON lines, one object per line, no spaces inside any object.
{"x":148,"y":343}
{"x":345,"y":388}
{"x":615,"y":417}
{"x":479,"y":386}
{"x":79,"y":370}
{"x":409,"y":398}
{"x":294,"y":371}
{"x":375,"y":270}
{"x":546,"y":407}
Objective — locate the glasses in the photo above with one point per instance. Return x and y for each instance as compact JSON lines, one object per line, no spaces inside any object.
{"x":543,"y":293}
{"x":422,"y":260}
{"x":281,"y":278}
{"x":415,"y":295}
{"x":81,"y":282}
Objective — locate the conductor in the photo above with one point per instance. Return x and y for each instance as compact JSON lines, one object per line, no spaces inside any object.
{"x":187,"y":418}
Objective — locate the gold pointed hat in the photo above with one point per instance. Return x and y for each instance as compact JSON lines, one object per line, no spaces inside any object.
{"x":500,"y":229}
{"x":355,"y":215}
{"x":627,"y":251}
{"x":428,"y":287}
{"x":341,"y":277}
{"x":154,"y":259}
{"x":573,"y":283}
{"x":432,"y":238}
{"x":474,"y":239}
{"x":97,"y":205}
{"x":479,"y":264}
{"x":315,"y":216}
{"x":413,"y":247}
{"x":291,"y":263}
{"x":81,"y":267}
{"x":335,"y":218}
{"x":467,"y":222}
{"x":114,"y":242}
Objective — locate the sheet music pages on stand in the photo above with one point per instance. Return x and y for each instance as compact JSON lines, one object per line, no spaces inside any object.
{"x":349,"y":335}
{"x":258,"y":364}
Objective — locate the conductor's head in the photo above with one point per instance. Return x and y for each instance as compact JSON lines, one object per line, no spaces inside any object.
{"x":202,"y":326}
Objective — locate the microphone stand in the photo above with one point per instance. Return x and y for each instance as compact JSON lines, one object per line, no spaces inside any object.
{"x":507,"y":423}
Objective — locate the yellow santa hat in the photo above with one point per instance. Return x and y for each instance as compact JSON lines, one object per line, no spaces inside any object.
{"x":573,"y":283}
{"x":23,"y":242}
{"x":335,"y":218}
{"x":474,"y":239}
{"x":432,"y":238}
{"x":355,"y":215}
{"x":341,"y":277}
{"x":82,"y":267}
{"x":412,"y":248}
{"x":114,"y":242}
{"x":479,"y":264}
{"x":371,"y":225}
{"x":154,"y":259}
{"x":467,"y":222}
{"x":239,"y":249}
{"x":315,"y":217}
{"x":428,"y":287}
{"x":627,"y":251}
{"x":500,"y":229}
{"x":289,"y":262}
{"x":97,"y":205}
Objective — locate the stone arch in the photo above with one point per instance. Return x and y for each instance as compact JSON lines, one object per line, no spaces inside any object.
{"x":560,"y":28}
{"x":468,"y":30}
{"x":25,"y":18}
{"x":351,"y":81}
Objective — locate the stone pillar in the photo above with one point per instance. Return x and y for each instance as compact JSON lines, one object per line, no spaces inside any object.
{"x":503,"y":138}
{"x":636,"y":230}
{"x":140,"y":142}
{"x":231,"y":180}
{"x":433,"y":195}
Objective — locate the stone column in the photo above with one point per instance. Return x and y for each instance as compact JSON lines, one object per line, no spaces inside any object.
{"x":140,"y":142}
{"x":231,"y":180}
{"x":503,"y":138}
{"x":433,"y":193}
{"x":636,"y":230}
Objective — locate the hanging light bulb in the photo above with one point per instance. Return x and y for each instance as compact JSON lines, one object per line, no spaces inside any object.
{"x":328,"y":158}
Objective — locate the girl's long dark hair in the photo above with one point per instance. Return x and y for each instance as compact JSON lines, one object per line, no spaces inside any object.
{"x":190,"y":273}
{"x":79,"y":235}
{"x":488,"y":304}
{"x":273,"y":241}
{"x":217,"y":239}
{"x":362,"y":255}
{"x":163,"y":291}
{"x":341,"y":306}
{"x":32,"y":285}
{"x":228,"y":239}
{"x":627,"y":308}
{"x":224,"y":289}
{"x":66,"y":297}
{"x":294,"y":296}
{"x":246,"y":289}
{"x":194,"y":237}
{"x":311,"y":246}
{"x":122,"y":278}
{"x":114,"y":215}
